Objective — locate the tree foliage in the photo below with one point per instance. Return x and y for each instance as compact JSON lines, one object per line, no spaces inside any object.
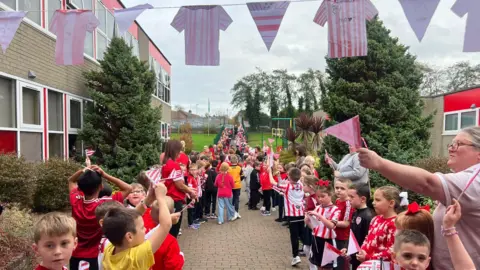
{"x":122,"y":126}
{"x":383,"y":88}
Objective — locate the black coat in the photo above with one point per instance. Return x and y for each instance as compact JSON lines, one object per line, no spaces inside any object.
{"x":254,"y":180}
{"x":210,"y":183}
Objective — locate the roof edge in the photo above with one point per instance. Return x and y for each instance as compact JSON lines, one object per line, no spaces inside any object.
{"x":453,"y":92}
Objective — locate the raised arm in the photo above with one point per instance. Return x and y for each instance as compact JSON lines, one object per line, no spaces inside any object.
{"x":408,"y":177}
{"x":164,"y":219}
{"x":125,"y":188}
{"x":72,"y":180}
{"x":357,"y":170}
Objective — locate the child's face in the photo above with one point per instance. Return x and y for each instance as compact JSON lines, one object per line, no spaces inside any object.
{"x":381,"y":204}
{"x":55,"y":251}
{"x":355,"y":200}
{"x":323,"y":198}
{"x":412,"y":257}
{"x":194,"y":171}
{"x":136,"y":196}
{"x":308,"y":189}
{"x":135,"y":239}
{"x":341,"y":190}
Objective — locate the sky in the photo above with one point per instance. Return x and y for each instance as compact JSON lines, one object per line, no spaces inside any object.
{"x":300,"y":44}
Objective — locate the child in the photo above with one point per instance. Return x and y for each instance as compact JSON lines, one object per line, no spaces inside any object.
{"x":381,"y":234}
{"x":247,"y":170}
{"x":412,"y":250}
{"x":254,"y":186}
{"x":359,"y":195}
{"x":342,"y":229}
{"x":198,"y":213}
{"x":55,"y":239}
{"x":309,"y":187}
{"x":192,"y":181}
{"x":324,"y":231}
{"x":100,"y":214}
{"x":125,"y":231}
{"x":210,"y":190}
{"x":282,"y":181}
{"x":237,"y":173}
{"x":267,"y":188}
{"x":294,"y":209}
{"x":84,"y":187}
{"x":224,"y":183}
{"x":310,"y":161}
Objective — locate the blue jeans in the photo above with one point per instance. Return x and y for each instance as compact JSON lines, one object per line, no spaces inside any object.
{"x":222,"y":202}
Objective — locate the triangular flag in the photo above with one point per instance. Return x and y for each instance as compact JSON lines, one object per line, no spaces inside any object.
{"x":154,"y":175}
{"x":9,"y":23}
{"x":268,"y":17}
{"x":330,"y":254}
{"x":125,"y":17}
{"x":347,"y":131}
{"x":419,"y":14}
{"x":270,"y":140}
{"x":89,"y":152}
{"x":353,"y":246}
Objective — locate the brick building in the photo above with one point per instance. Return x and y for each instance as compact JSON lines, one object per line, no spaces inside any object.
{"x":41,"y":103}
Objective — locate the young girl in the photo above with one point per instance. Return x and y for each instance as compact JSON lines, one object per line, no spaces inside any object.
{"x":325,"y":217}
{"x":224,"y":183}
{"x":381,"y":234}
{"x":309,"y":187}
{"x":310,"y":161}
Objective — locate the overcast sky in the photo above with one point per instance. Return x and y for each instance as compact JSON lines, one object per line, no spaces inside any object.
{"x":300,"y":44}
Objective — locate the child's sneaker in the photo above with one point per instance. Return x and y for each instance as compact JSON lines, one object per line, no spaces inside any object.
{"x":238,"y":215}
{"x":193,"y":226}
{"x":213,"y":216}
{"x":220,"y":223}
{"x":296,"y":261}
{"x":202,"y":220}
{"x":266,"y":213}
{"x":179,"y":232}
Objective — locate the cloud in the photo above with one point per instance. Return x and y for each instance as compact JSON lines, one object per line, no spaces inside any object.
{"x":300,"y":44}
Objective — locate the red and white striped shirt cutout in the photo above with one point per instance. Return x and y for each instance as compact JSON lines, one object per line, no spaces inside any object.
{"x":154,"y":175}
{"x":89,"y":152}
{"x":330,"y":212}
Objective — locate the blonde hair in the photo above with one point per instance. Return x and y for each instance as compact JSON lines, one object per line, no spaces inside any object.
{"x":170,"y":205}
{"x":137,"y":185}
{"x":392,"y":193}
{"x":309,"y":160}
{"x":310,"y":181}
{"x":224,"y":167}
{"x":345,"y":181}
{"x":54,"y":224}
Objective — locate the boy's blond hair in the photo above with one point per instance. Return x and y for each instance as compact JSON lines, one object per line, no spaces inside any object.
{"x":309,"y":160}
{"x":345,"y":181}
{"x":54,"y":224}
{"x":137,"y":186}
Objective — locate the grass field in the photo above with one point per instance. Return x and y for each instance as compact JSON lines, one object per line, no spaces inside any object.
{"x":199,"y":140}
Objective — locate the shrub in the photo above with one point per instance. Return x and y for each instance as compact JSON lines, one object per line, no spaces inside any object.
{"x":17,"y":180}
{"x":433,"y":164}
{"x":186,"y":136}
{"x":51,"y":193}
{"x":212,"y":130}
{"x":287,"y":156}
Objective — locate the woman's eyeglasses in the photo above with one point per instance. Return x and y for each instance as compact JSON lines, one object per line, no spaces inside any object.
{"x":455,"y":145}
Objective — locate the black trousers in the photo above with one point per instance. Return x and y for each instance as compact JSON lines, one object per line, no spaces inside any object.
{"x":254,"y":198}
{"x":341,"y":260}
{"x":296,"y":227}
{"x":198,"y":213}
{"x":236,"y":198}
{"x":74,"y":263}
{"x":281,"y":206}
{"x":178,"y":205}
{"x":267,"y":199}
{"x":210,"y":200}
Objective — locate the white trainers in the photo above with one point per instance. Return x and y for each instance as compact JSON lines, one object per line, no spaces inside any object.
{"x":296,"y":261}
{"x":238,"y":215}
{"x":234,"y":218}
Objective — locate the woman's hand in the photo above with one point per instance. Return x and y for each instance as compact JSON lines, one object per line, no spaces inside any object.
{"x":369,"y":159}
{"x":361,"y":255}
{"x":452,"y":215}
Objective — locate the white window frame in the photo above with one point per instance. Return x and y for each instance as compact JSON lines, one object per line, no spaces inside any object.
{"x":29,"y":20}
{"x":161,"y":130}
{"x":56,"y":131}
{"x":23,"y":126}
{"x":70,"y":129}
{"x":459,"y":115}
{"x":100,"y":31}
{"x":168,"y":131}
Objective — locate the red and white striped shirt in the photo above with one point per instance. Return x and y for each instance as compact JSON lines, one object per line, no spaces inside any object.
{"x":330,"y":212}
{"x":347,"y":31}
{"x":294,"y":199}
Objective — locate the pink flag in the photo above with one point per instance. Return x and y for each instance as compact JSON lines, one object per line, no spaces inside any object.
{"x":154,"y":175}
{"x":330,"y":254}
{"x":89,"y":152}
{"x":125,"y":17}
{"x":347,"y":131}
{"x":270,"y":140}
{"x":71,"y":27}
{"x":353,"y":246}
{"x":9,"y":23}
{"x":419,"y":14}
{"x":268,"y":16}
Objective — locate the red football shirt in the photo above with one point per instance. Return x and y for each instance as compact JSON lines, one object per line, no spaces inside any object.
{"x":168,"y":256}
{"x":148,"y":221}
{"x":183,"y":158}
{"x":265,"y":181}
{"x":346,"y":213}
{"x":168,"y":170}
{"x":89,"y":232}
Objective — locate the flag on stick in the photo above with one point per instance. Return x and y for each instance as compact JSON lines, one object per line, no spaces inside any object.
{"x":330,"y":254}
{"x":347,"y":131}
{"x":353,"y":246}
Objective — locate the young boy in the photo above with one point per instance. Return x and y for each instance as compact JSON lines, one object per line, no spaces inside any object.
{"x":100,"y":214}
{"x":254,"y":186}
{"x":342,"y":227}
{"x":192,"y":181}
{"x":411,"y":250}
{"x":237,"y":174}
{"x":294,"y":209}
{"x":124,"y":228}
{"x":359,"y":196}
{"x":55,"y":239}
{"x":85,"y":186}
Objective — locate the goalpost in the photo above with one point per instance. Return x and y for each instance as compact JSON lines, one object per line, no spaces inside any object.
{"x":280,"y":131}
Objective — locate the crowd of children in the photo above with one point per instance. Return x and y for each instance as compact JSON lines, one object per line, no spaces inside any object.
{"x":133,"y":227}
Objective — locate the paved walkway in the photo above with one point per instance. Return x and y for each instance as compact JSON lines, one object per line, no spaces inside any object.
{"x":252,"y":242}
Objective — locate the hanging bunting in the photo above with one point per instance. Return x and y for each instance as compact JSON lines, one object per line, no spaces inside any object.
{"x":71,"y":27}
{"x":419,"y":13}
{"x":202,"y":25}
{"x":268,"y":16}
{"x":471,"y":41}
{"x":125,"y":17}
{"x":9,"y":23}
{"x":347,"y":31}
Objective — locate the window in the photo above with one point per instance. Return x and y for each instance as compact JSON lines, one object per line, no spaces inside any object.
{"x":31,"y":106}
{"x":55,"y":111}
{"x":7,"y":103}
{"x":451,"y":122}
{"x":8,"y":141}
{"x":55,"y":145}
{"x":83,"y":4}
{"x":132,"y":42}
{"x":106,"y":29}
{"x":74,"y":146}
{"x":468,"y":119}
{"x":31,"y":145}
{"x":52,"y":5}
{"x":75,"y":114}
{"x":26,"y":5}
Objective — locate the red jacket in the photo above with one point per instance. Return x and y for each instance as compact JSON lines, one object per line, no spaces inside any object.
{"x":168,"y":256}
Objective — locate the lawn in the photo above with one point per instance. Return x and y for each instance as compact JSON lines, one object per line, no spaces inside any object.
{"x":199,"y":140}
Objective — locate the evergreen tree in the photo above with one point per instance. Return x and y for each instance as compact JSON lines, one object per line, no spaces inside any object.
{"x":122,"y":126}
{"x":383,"y":89}
{"x":256,"y":108}
{"x":300,"y":104}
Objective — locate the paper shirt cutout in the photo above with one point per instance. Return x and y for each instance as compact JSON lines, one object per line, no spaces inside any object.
{"x":202,"y":25}
{"x":472,"y":28}
{"x":125,"y":17}
{"x":347,"y":30}
{"x":71,"y":27}
{"x":347,"y":131}
{"x":353,"y":246}
{"x":9,"y":23}
{"x":330,"y":254}
{"x":154,"y":175}
{"x":419,"y":13}
{"x":268,"y":16}
{"x":89,"y":152}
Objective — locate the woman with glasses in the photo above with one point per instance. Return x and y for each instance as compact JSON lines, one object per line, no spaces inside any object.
{"x":464,"y":161}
